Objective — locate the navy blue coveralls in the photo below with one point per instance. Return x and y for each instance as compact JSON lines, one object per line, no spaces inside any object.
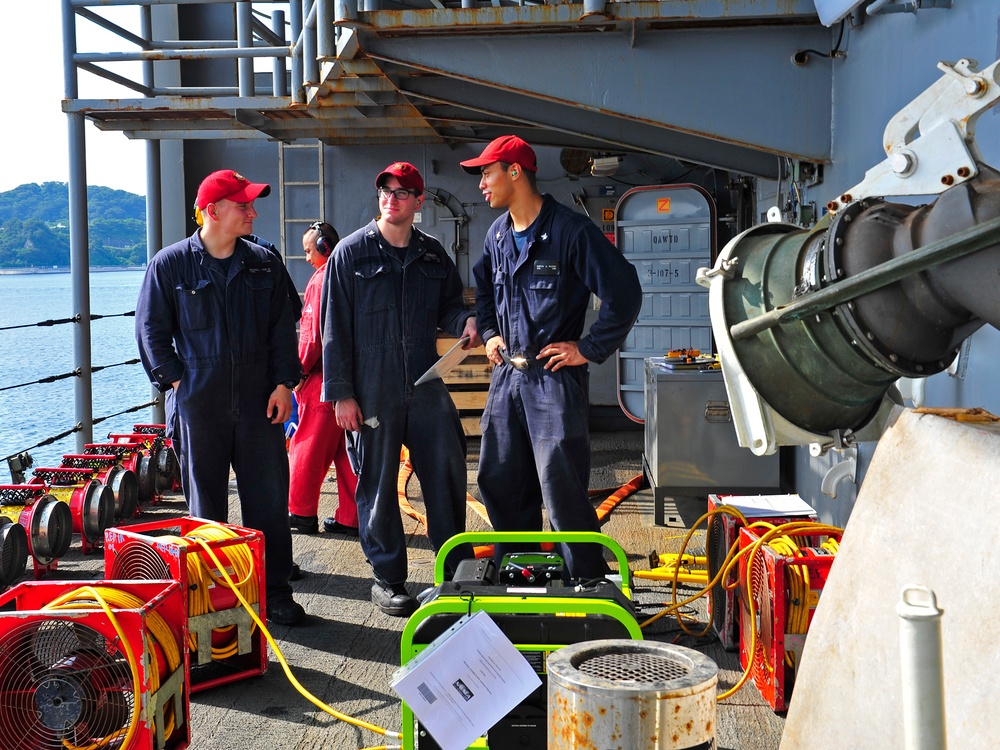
{"x":536,"y":444}
{"x":380,"y":321}
{"x":229,"y":340}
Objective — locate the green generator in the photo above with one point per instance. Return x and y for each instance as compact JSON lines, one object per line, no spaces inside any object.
{"x":536,"y":610}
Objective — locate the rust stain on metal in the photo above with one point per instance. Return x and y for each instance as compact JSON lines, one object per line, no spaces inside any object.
{"x":563,"y":16}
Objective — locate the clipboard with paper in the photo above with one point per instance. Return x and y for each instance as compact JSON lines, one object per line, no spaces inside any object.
{"x":449,"y":360}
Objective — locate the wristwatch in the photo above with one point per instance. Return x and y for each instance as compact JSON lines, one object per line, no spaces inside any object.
{"x":289,"y":384}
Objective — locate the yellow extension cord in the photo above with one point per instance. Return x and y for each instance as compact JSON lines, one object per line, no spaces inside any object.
{"x":200,"y":595}
{"x":209,"y":530}
{"x":246,"y":591}
{"x":782,"y":535}
{"x":86,"y":597}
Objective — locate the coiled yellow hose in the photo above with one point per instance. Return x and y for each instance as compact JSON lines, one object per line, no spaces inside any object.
{"x":726,"y":576}
{"x":202,"y":577}
{"x":86,"y":597}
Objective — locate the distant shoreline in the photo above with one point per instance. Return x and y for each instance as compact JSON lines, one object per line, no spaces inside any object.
{"x":66,"y":269}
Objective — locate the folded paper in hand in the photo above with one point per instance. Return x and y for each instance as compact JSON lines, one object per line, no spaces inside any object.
{"x":448,"y":361}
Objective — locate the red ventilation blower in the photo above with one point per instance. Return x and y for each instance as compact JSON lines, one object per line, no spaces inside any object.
{"x":784,"y":582}
{"x":168,"y":469}
{"x":157,"y":458}
{"x":112,"y":473}
{"x":224,"y":642}
{"x":74,"y":675}
{"x":46,"y":522}
{"x":91,"y":502}
{"x":13,"y":537}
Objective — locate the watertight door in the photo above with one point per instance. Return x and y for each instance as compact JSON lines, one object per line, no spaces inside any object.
{"x":667,"y":232}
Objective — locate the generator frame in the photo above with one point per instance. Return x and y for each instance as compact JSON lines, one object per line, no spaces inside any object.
{"x":515,"y":604}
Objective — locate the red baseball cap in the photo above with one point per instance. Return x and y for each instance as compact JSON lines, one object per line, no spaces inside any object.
{"x":407,"y":174}
{"x":506,"y":148}
{"x":226,"y":183}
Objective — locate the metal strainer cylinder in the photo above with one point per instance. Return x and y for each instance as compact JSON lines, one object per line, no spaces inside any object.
{"x":631,"y":695}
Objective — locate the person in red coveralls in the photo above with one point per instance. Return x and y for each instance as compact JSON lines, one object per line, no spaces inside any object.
{"x":318,"y":441}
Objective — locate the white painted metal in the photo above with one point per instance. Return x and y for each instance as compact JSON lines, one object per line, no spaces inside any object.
{"x":930,"y":143}
{"x":930,"y":490}
{"x":922,"y":669}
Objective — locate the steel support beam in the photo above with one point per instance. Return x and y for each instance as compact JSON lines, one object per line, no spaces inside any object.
{"x":79,"y":242}
{"x":727,"y":87}
{"x":520,"y":16}
{"x":175,"y":104}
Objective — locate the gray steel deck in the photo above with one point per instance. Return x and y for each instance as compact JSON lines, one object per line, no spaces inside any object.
{"x":347,"y":651}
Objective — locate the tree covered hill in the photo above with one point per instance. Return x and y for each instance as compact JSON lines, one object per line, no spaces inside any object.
{"x":34,"y":226}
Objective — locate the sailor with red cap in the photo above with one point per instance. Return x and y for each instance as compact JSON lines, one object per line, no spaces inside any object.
{"x":541,"y":264}
{"x":214,"y":324}
{"x":388,"y":289}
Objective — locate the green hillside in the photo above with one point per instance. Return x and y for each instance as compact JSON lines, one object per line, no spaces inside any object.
{"x":34,"y":226}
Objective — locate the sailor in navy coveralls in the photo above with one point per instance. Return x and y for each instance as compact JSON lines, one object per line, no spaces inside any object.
{"x":541,"y":262}
{"x":388,"y":289}
{"x":214,"y":323}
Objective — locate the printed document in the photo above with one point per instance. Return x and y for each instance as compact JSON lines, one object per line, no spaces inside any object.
{"x":465,"y":681}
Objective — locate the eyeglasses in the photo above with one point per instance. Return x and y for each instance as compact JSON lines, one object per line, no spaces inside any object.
{"x":400,"y":194}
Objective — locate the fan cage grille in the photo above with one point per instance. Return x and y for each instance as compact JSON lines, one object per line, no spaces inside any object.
{"x":138,"y":560}
{"x":62,"y":683}
{"x":13,"y":551}
{"x":717,"y":549}
{"x":761,"y":588}
{"x":634,"y":667}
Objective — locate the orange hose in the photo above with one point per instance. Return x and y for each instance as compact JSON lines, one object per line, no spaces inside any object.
{"x":483,"y":551}
{"x":629,"y":488}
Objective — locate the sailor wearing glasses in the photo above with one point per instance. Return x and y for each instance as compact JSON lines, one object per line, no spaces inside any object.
{"x":388,"y":289}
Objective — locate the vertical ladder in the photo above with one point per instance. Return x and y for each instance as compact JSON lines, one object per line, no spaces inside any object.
{"x":301,"y":201}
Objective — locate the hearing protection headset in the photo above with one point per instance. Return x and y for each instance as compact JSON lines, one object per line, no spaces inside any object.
{"x":328,"y":237}
{"x":199,"y":215}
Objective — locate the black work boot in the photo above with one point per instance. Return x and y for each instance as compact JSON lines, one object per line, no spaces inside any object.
{"x":284,"y":610}
{"x":333,"y":526}
{"x":304,"y":524}
{"x":393,"y":599}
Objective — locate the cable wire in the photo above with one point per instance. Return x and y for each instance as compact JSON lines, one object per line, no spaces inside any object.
{"x":277,"y":651}
{"x":780,"y":535}
{"x":159,"y":633}
{"x":202,"y":579}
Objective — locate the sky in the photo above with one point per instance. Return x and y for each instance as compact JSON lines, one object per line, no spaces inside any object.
{"x":34,"y":135}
